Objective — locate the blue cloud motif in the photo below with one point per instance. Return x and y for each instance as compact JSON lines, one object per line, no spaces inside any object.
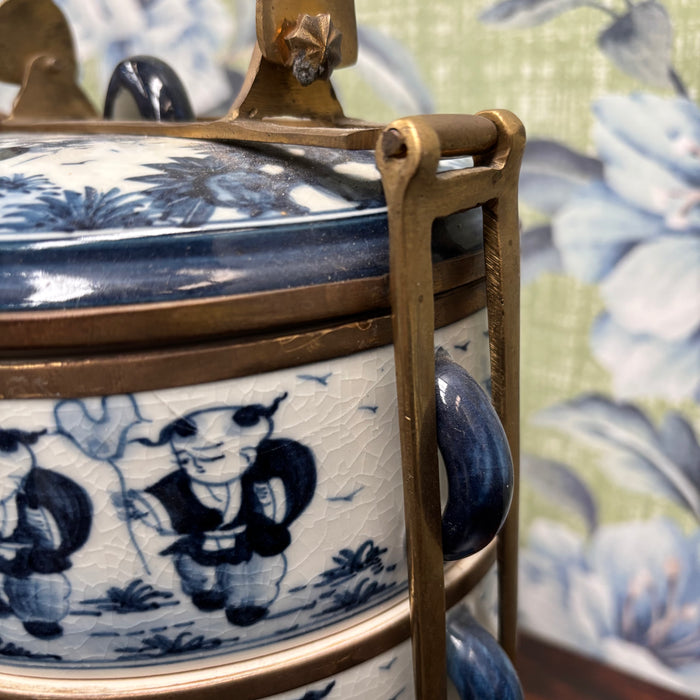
{"x":629,"y":595}
{"x":636,"y":232}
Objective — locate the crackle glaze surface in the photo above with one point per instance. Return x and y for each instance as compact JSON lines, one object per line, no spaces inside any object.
{"x":138,"y":530}
{"x":386,"y":677}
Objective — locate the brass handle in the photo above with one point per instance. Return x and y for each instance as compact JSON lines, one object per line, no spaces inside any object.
{"x":408,"y":155}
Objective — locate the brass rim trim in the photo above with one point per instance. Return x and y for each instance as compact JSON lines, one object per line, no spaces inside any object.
{"x":125,"y":372}
{"x":151,"y":324}
{"x":264,"y":675}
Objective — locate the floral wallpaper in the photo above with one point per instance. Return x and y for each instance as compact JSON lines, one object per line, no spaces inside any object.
{"x":610,"y":203}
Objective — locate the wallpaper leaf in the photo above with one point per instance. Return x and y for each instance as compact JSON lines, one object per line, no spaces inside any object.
{"x":391,"y":69}
{"x":562,"y":486}
{"x":538,"y":254}
{"x":638,"y":456}
{"x":639,"y":43}
{"x":526,"y":13}
{"x":551,"y":172}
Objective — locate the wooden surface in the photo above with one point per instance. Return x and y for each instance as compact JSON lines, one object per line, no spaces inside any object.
{"x":552,"y":673}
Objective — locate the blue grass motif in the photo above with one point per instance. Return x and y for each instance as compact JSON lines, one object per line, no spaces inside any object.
{"x":10,"y":649}
{"x":136,"y":597}
{"x":371,"y":409}
{"x":160,"y":645}
{"x":356,"y":597}
{"x":350,"y":563}
{"x":343,"y":589}
{"x":462,"y":346}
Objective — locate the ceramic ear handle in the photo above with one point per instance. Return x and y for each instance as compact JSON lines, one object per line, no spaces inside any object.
{"x":479,"y":467}
{"x":476,"y":664}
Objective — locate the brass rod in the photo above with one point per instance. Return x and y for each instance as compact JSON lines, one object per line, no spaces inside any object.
{"x":408,"y":156}
{"x":343,"y":133}
{"x":411,"y":282}
{"x":502,"y":257}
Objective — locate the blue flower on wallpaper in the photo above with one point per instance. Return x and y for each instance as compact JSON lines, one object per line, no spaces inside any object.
{"x":663,"y":459}
{"x":637,"y":234}
{"x":637,"y":37}
{"x":630,"y":595}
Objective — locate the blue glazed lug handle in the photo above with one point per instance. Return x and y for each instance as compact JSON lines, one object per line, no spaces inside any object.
{"x":477,"y":458}
{"x":144,"y":87}
{"x":476,"y":664}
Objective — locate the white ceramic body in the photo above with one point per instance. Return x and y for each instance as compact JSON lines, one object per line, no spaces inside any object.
{"x":123,"y":607}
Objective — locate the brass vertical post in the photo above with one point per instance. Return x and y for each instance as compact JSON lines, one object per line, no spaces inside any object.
{"x":408,"y":154}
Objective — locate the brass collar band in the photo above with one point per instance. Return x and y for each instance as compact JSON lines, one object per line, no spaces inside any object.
{"x":71,"y":373}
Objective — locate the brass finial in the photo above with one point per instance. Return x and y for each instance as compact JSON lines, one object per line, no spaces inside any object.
{"x":314,"y":46}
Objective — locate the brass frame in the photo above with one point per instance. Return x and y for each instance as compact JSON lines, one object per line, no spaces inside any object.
{"x":408,"y":156}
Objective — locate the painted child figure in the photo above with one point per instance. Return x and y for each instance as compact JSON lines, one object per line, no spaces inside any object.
{"x":231,"y":500}
{"x":44,"y":518}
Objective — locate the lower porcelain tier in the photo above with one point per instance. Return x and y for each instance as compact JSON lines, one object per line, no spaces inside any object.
{"x":372,"y":659}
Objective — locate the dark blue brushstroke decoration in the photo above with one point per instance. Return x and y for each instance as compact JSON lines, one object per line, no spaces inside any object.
{"x":159,"y":645}
{"x":320,"y":379}
{"x":85,"y":613}
{"x":351,"y":598}
{"x":318,"y":694}
{"x":371,"y":409}
{"x":397,"y":695}
{"x":351,"y":562}
{"x":292,"y":611}
{"x":136,"y":597}
{"x":477,"y":459}
{"x":387,"y":666}
{"x":10,"y":649}
{"x":476,"y":664}
{"x":462,"y":346}
{"x":348,"y":497}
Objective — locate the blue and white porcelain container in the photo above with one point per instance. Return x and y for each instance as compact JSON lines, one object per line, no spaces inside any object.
{"x":202,"y":485}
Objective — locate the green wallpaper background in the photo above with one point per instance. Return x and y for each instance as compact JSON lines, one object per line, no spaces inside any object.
{"x":548,"y":75}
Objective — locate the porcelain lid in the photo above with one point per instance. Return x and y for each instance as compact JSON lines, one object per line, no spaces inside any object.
{"x":87,"y":221}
